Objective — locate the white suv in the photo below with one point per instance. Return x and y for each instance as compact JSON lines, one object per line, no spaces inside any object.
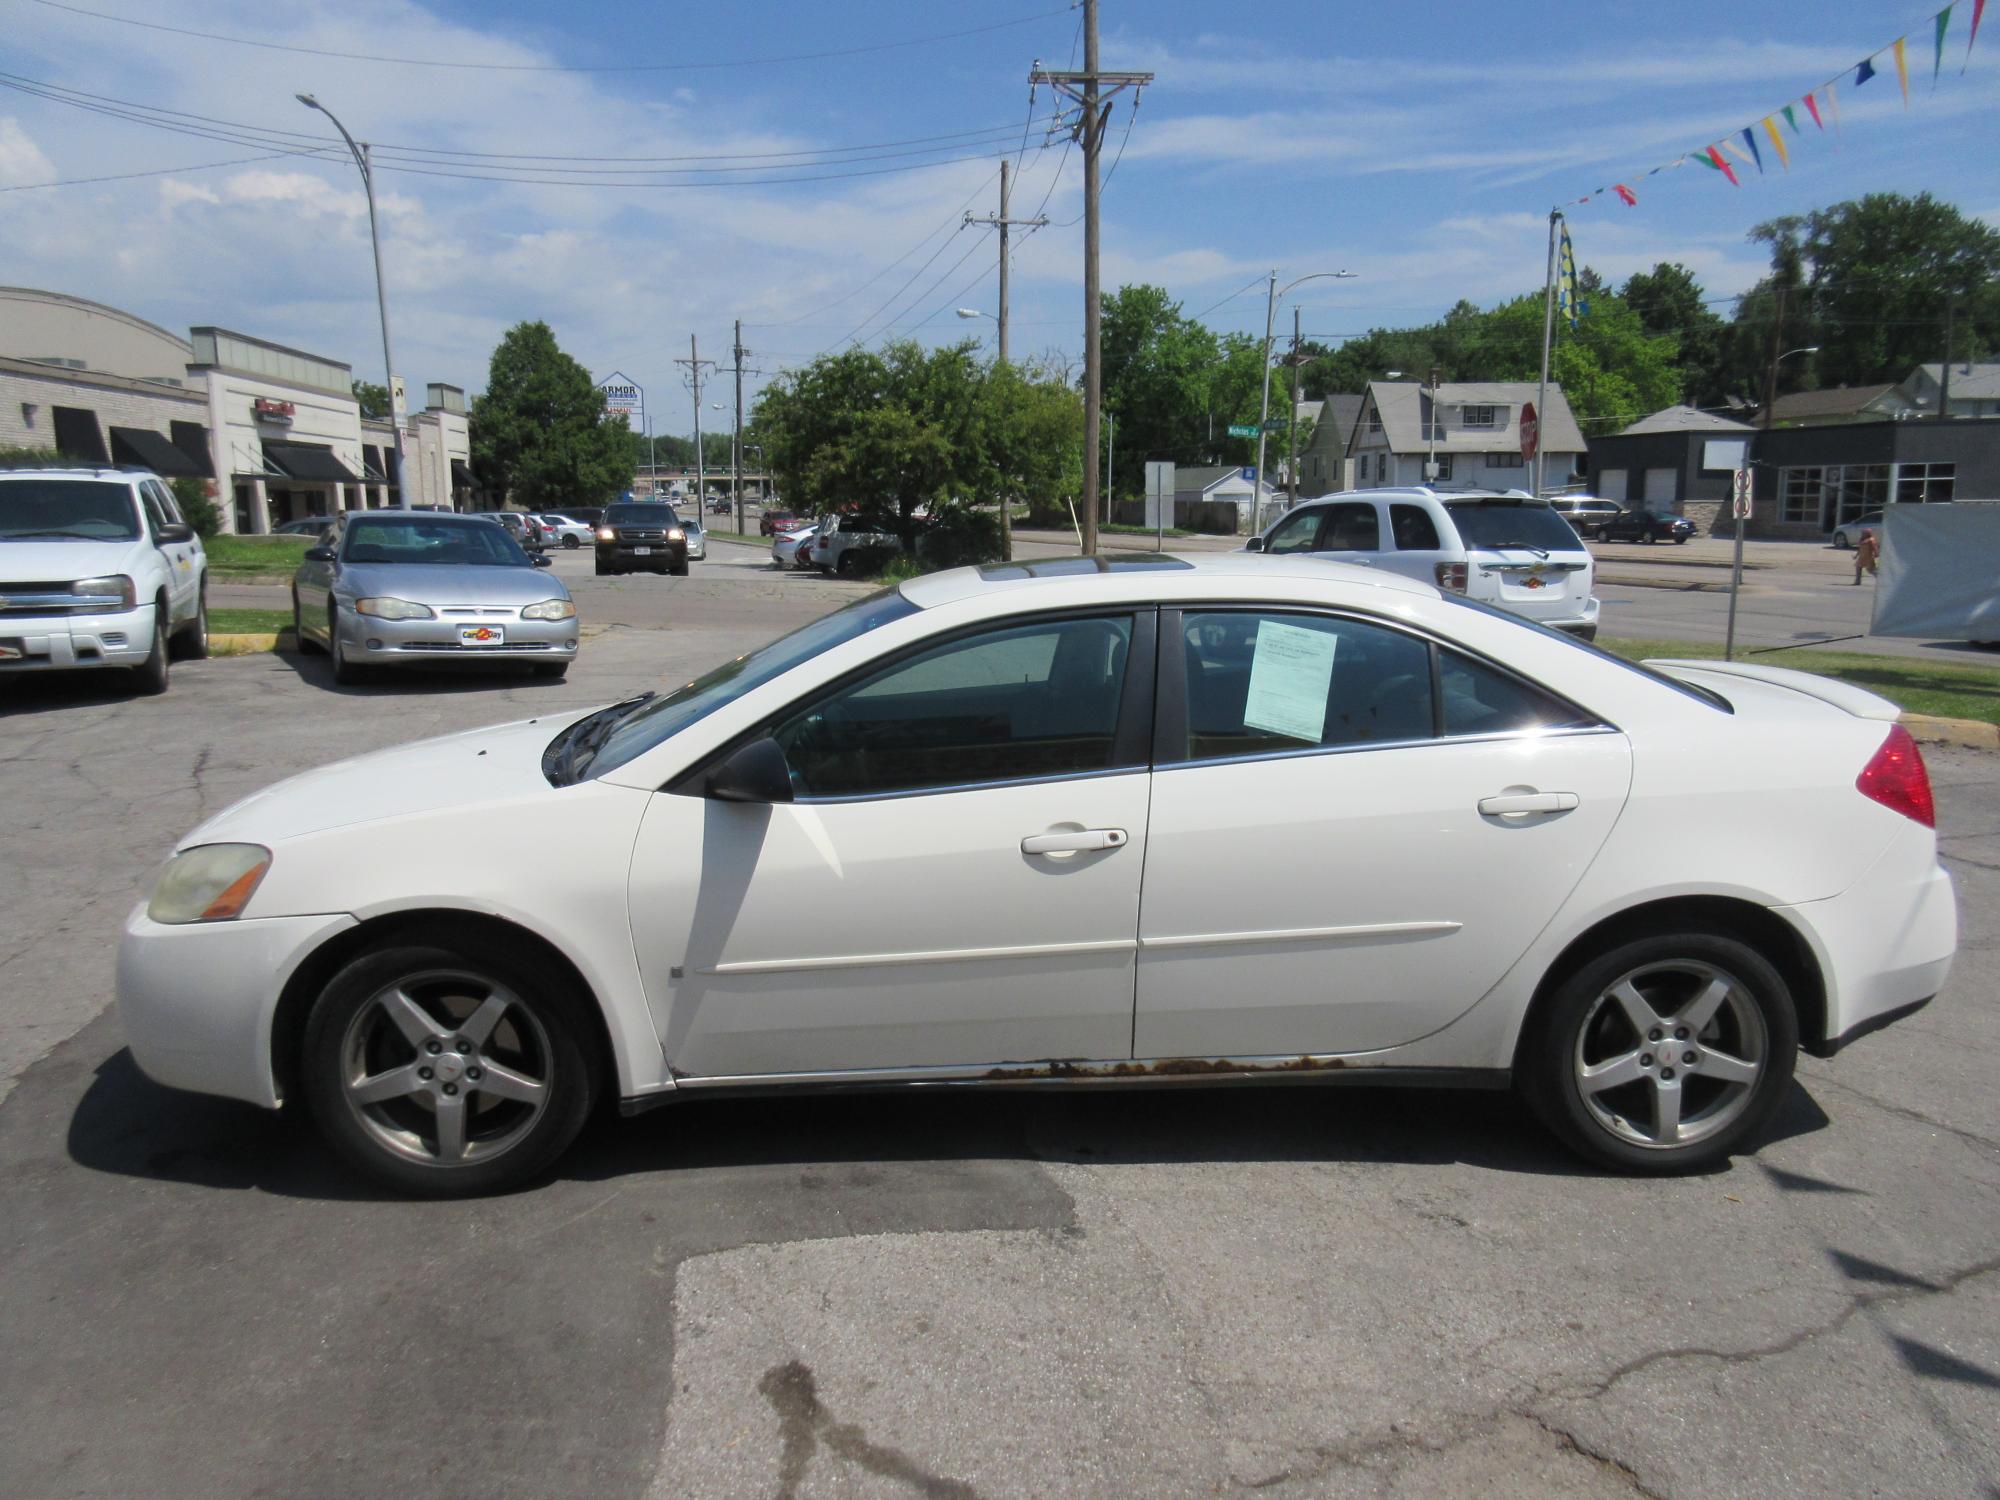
{"x":98,"y":569}
{"x":1504,"y":548}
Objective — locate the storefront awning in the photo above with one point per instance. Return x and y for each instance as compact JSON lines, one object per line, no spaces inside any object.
{"x":150,"y":450}
{"x":372,"y":468}
{"x":309,"y":461}
{"x":192,"y":439}
{"x":461,"y":476}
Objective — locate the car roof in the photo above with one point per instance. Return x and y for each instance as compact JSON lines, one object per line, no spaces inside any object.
{"x":1171,"y":574}
{"x":79,"y":471}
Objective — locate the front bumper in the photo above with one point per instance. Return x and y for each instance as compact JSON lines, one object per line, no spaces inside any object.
{"x":624,"y":554}
{"x":385,"y":642}
{"x":64,"y":643}
{"x":197,"y":1000}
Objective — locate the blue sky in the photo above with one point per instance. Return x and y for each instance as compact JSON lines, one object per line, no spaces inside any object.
{"x":1418,"y":145}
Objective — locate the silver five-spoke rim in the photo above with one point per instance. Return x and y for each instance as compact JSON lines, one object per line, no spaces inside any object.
{"x":446,"y":1068}
{"x":1670,"y":1053}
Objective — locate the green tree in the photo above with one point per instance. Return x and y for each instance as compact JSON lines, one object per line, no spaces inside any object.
{"x":1874,"y":278}
{"x":373,"y":399}
{"x":197,"y":506}
{"x":539,"y":433}
{"x":1159,"y":374}
{"x":1668,"y":303}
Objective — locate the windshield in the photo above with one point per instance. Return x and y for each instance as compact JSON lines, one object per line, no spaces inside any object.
{"x":652,"y":722}
{"x":437,"y":543}
{"x":93,"y":510}
{"x":653,"y":514}
{"x":1512,"y":523}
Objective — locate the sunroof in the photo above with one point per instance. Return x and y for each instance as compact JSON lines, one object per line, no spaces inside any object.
{"x":1059,"y":567}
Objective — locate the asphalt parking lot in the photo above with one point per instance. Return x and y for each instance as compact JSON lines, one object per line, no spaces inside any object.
{"x":1302,"y":1291}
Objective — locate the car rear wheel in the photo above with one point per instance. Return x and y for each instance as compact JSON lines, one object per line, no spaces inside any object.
{"x":445,"y":1075}
{"x":1663,"y":1054}
{"x":569,"y":544}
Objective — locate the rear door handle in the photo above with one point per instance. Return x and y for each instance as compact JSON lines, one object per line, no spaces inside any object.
{"x":1075,"y":843}
{"x":1512,"y":804}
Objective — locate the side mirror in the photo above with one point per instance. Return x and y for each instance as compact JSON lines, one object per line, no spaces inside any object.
{"x":1255,"y":544}
{"x":319,"y":554}
{"x":542,"y":560}
{"x":172,"y":532}
{"x":757,"y":772}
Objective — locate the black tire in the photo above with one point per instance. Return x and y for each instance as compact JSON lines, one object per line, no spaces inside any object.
{"x":554,"y":670}
{"x":149,"y":678}
{"x":1755,"y":1022}
{"x":570,"y":544}
{"x":545,"y":1040}
{"x":679,"y":570}
{"x":191,"y":642}
{"x":306,"y":645}
{"x":1680,"y":541}
{"x":346,"y":671}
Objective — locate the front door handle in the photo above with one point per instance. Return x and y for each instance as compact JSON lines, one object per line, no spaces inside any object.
{"x":1081,"y":841}
{"x":1513,"y":804}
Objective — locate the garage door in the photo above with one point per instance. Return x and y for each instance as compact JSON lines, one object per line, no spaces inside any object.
{"x":1660,"y":485}
{"x":1611,"y":485}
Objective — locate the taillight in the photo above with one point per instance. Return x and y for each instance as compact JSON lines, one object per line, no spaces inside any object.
{"x":1896,"y":778}
{"x":1451,"y":576}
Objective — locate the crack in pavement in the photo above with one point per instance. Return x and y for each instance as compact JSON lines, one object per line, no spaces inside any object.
{"x":1903,"y":1111}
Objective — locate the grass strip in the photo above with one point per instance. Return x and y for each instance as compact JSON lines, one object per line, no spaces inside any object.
{"x":248,"y":621}
{"x":255,"y":556}
{"x":1951,"y":690}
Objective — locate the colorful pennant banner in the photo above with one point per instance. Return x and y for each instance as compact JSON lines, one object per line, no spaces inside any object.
{"x":1821,"y":104}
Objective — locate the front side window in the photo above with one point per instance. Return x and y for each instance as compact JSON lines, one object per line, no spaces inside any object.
{"x":1029,"y":701}
{"x":150,"y":497}
{"x":1351,"y":527}
{"x":1265,"y":681}
{"x":1296,"y":533}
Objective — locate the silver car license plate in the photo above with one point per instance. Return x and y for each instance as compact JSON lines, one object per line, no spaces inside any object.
{"x":642,"y":551}
{"x":481,"y":635}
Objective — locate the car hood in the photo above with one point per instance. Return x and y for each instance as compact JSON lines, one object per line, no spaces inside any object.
{"x":450,"y":584}
{"x":498,"y":763}
{"x":50,"y":561}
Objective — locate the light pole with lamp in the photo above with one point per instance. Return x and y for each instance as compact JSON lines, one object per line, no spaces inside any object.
{"x":360,"y":154}
{"x":1271,"y":296}
{"x":1006,"y":501}
{"x":1736,"y":521}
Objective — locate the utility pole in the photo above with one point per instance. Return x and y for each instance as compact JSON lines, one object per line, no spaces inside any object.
{"x":1944,"y":370}
{"x":736,"y":440}
{"x":1777,"y":343}
{"x":1002,"y":223}
{"x":1292,"y":427}
{"x":1548,"y":338}
{"x":694,"y":362}
{"x":1088,"y":89}
{"x":1431,"y":421}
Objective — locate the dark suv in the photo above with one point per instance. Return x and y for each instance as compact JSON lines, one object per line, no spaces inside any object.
{"x":1644,"y":526}
{"x":645,"y":536}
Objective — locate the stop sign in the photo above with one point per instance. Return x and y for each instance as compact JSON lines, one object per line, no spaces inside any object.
{"x":1531,"y":430}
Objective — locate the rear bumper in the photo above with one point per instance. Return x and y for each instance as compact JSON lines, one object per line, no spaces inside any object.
{"x":1885,"y":948}
{"x":67,"y":642}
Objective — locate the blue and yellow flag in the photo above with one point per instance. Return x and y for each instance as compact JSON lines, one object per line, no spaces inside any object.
{"x":1572,"y":305}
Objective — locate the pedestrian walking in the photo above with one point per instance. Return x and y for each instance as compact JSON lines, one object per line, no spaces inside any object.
{"x":1866,"y":552}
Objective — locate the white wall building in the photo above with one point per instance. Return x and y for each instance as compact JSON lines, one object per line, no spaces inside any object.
{"x":1474,"y":431}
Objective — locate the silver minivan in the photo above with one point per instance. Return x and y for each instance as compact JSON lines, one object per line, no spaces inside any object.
{"x":1501,"y":547}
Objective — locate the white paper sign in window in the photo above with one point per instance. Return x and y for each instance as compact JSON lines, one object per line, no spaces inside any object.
{"x":1290,"y":674}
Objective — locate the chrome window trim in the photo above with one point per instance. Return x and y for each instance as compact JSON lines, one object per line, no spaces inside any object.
{"x":974,"y":786}
{"x":1509,"y":736}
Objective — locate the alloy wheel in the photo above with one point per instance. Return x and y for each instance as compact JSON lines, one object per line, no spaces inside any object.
{"x":1670,"y":1054}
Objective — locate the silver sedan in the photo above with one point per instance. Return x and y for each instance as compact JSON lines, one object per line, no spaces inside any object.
{"x":394,"y":588}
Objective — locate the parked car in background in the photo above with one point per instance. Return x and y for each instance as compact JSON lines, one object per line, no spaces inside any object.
{"x":793,"y":548}
{"x":98,"y":568}
{"x":1500,"y":547}
{"x":847,"y":544}
{"x":1847,"y":533}
{"x":643,"y":536}
{"x":310,"y":526}
{"x":1584,"y":512}
{"x":589,"y":515}
{"x":1384,"y":834}
{"x":1641,"y":525}
{"x":720,"y":506}
{"x":391,"y":588}
{"x":774,"y":521}
{"x":517,"y":525}
{"x":566,"y":530}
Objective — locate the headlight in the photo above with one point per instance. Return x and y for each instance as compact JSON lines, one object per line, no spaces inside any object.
{"x":112,"y":592}
{"x":394,"y":609}
{"x":677,"y":535}
{"x":550,"y":609}
{"x":210,"y":883}
{"x":606,"y":534}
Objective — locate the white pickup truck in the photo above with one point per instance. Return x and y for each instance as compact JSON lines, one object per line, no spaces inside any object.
{"x":98,"y":568}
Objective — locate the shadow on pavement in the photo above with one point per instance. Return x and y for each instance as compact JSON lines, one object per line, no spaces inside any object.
{"x":441,"y":677}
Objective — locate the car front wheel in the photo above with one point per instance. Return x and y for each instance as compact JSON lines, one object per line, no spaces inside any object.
{"x":1663,"y":1054}
{"x":191,"y":644}
{"x":444,"y":1075}
{"x":150,"y":676}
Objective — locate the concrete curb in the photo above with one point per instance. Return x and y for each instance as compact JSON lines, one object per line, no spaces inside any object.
{"x":1969,"y":734}
{"x":1677,"y":585}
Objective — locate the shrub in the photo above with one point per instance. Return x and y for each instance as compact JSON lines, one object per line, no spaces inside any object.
{"x":197,"y":505}
{"x":30,"y":458}
{"x":958,"y":535}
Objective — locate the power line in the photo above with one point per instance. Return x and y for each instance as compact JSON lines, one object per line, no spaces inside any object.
{"x":206,"y":166}
{"x":683,"y":67}
{"x":888,"y":328}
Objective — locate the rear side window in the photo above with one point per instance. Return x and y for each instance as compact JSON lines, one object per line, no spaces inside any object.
{"x":1500,"y":524}
{"x":1477,"y":699}
{"x":1413,"y":529}
{"x":1351,"y":527}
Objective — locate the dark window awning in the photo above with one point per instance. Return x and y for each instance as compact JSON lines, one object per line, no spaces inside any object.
{"x":150,"y":450}
{"x":372,"y":468}
{"x":192,"y":439}
{"x":78,"y":436}
{"x":461,"y":476}
{"x":311,"y":461}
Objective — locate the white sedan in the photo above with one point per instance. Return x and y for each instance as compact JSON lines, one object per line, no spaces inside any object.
{"x":792,"y":548}
{"x":1386,"y":835}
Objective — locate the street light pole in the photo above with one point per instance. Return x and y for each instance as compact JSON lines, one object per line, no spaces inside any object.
{"x":1272,"y":293}
{"x":360,"y":154}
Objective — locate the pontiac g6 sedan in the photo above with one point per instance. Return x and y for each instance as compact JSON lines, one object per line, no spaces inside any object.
{"x":1120,"y":822}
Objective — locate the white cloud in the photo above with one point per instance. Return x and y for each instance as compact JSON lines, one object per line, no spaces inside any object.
{"x":21,"y":160}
